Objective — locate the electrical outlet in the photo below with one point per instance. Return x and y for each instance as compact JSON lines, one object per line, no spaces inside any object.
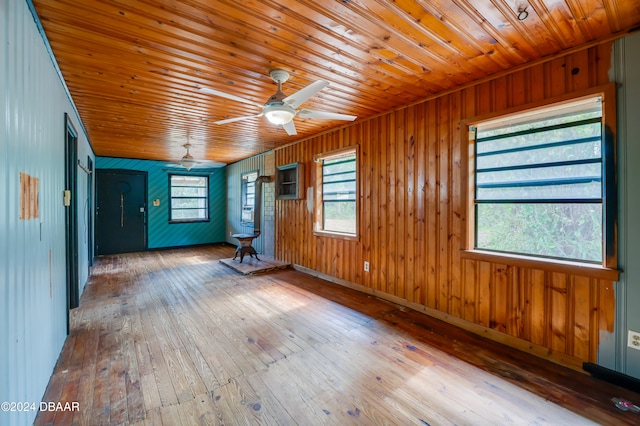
{"x":634,"y":340}
{"x":366,"y":266}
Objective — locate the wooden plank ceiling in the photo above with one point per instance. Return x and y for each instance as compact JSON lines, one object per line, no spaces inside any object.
{"x":135,"y":69}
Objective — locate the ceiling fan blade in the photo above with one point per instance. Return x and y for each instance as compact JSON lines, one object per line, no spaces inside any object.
{"x":305,"y":93}
{"x":208,"y":164}
{"x":290,"y":128}
{"x":229,"y":96}
{"x":310,"y":113}
{"x":199,"y":164}
{"x":231,"y":120}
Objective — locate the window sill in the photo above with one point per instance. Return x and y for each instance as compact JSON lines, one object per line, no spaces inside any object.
{"x":189,"y":221}
{"x":551,"y":265}
{"x":348,"y":237}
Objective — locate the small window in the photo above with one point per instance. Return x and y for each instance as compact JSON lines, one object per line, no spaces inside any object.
{"x":248,"y":196}
{"x":539,"y":183}
{"x":336,"y":210}
{"x":189,"y":198}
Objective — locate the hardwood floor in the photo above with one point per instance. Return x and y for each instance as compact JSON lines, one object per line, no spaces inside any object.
{"x":174,"y":337}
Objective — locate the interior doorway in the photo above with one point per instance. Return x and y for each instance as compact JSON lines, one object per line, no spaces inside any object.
{"x":89,"y":210}
{"x":71,"y":215}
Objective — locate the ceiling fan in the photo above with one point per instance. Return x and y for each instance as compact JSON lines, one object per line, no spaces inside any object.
{"x":188,"y":162}
{"x":279,"y":108}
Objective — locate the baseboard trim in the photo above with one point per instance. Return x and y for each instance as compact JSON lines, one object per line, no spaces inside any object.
{"x":611,"y":376}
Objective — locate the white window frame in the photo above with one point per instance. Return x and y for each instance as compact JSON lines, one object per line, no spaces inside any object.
{"x":320,"y":159}
{"x":248,"y":206}
{"x":605,"y":269}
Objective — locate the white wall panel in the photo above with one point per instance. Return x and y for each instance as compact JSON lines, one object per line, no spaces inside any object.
{"x":4,"y":201}
{"x":627,"y":66}
{"x":33,"y":302}
{"x":234,"y":201}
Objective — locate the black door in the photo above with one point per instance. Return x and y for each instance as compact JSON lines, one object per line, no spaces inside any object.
{"x":121,"y":211}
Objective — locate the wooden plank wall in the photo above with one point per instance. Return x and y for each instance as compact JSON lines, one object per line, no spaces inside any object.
{"x":411,"y":205}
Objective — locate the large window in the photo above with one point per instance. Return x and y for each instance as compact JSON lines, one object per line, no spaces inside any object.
{"x":337,"y":205}
{"x":189,"y":198}
{"x":248,"y":183}
{"x":540,"y":182}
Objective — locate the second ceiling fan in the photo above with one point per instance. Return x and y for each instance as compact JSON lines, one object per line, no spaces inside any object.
{"x":280,"y":109}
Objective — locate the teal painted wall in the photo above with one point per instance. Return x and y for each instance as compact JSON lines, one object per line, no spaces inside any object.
{"x":160,"y":233}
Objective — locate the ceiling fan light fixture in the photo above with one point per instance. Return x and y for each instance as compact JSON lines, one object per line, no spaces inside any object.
{"x":279,"y":114}
{"x":188,"y":162}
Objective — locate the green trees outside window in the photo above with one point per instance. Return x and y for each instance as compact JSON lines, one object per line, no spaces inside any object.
{"x":189,"y":198}
{"x":339,"y":194}
{"x":539,"y":183}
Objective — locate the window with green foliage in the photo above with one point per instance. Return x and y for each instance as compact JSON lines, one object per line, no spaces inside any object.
{"x":248,"y":196}
{"x":189,"y":198}
{"x":338,"y":207}
{"x":540,"y":182}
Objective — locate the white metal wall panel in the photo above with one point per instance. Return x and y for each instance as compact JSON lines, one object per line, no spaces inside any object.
{"x":32,"y":252}
{"x":84,"y":151}
{"x":4,"y":203}
{"x":614,"y":352}
{"x":234,"y":200}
